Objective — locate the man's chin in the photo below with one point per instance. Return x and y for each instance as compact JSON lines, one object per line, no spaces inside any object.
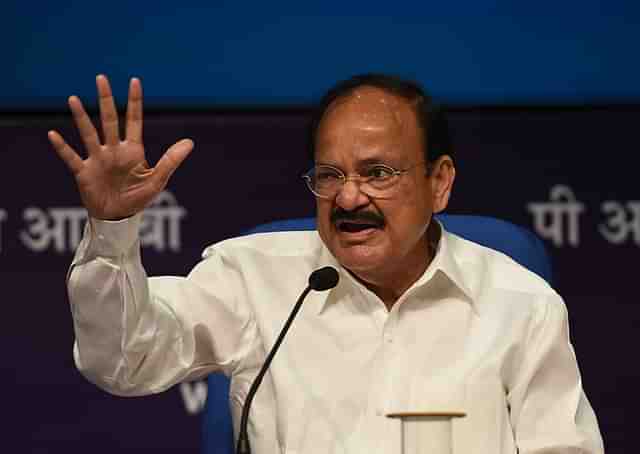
{"x":359,"y":258}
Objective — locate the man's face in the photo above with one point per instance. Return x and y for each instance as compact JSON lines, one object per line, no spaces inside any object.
{"x":369,"y":126}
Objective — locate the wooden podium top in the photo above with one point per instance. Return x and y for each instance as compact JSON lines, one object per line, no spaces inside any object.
{"x":417,"y":414}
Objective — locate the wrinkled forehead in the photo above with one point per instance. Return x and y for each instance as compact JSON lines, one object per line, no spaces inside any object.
{"x":371,"y":107}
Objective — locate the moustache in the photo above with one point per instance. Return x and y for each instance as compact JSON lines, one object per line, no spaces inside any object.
{"x":340,"y":214}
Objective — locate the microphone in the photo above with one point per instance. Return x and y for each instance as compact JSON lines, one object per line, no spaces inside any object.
{"x":321,"y":279}
{"x":324,"y":279}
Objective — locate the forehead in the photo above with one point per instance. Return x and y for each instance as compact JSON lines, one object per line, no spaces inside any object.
{"x":369,"y":118}
{"x":371,"y":105}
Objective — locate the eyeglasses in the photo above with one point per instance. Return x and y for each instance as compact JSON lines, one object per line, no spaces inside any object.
{"x":375,"y":180}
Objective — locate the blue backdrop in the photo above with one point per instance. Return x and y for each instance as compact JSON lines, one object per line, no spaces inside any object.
{"x":196,"y":53}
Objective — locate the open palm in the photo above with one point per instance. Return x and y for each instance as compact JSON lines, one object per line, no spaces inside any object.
{"x":115,"y":181}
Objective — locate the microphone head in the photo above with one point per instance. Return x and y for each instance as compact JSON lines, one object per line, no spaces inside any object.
{"x":324,"y":278}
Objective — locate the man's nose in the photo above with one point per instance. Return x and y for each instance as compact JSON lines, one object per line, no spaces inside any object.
{"x":350,"y":196}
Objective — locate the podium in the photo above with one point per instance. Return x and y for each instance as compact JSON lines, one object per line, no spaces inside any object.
{"x":426,"y":432}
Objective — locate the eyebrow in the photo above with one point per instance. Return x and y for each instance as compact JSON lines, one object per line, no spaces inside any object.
{"x":364,"y":163}
{"x":372,"y":161}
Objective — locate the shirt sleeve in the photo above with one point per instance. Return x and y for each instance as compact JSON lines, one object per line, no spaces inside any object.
{"x":136,"y":335}
{"x":550,"y":412}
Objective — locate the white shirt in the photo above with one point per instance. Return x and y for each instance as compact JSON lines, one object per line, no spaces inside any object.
{"x":476,"y":333}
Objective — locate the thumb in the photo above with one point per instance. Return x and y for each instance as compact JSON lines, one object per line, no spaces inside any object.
{"x":172,"y":158}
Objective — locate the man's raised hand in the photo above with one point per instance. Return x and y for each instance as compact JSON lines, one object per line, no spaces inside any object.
{"x":115,"y":180}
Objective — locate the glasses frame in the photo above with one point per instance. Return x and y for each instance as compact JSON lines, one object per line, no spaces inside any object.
{"x":359,"y":178}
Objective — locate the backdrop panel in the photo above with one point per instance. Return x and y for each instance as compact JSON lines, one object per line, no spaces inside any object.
{"x":570,"y":175}
{"x":208,"y":54}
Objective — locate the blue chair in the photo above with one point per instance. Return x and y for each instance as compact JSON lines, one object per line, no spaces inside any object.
{"x":515,"y":241}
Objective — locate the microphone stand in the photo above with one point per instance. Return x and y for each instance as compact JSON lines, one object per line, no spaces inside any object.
{"x":243,"y":446}
{"x":322,"y":279}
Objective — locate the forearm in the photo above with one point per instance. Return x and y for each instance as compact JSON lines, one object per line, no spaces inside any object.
{"x":114,"y":319}
{"x":137,"y":335}
{"x":127,"y":341}
{"x":550,"y":412}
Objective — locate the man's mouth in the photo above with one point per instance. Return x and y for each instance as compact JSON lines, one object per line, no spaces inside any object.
{"x":355,"y":226}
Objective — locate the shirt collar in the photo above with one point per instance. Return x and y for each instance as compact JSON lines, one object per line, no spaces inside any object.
{"x":444,"y":261}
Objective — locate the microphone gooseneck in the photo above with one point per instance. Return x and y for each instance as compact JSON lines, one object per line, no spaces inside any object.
{"x":321,"y":279}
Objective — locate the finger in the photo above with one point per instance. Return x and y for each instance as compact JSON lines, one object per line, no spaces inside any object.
{"x":172,"y":158}
{"x":87,"y":131}
{"x":68,"y":154}
{"x":108,"y":112}
{"x":134,"y":111}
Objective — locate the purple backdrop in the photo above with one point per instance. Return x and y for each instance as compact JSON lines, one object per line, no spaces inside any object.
{"x":571,"y":175}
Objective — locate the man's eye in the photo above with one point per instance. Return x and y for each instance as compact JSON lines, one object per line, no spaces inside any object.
{"x":380,"y":172}
{"x":327,"y":175}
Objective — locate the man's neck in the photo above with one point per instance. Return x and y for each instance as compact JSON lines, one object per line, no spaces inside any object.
{"x":391,"y":285}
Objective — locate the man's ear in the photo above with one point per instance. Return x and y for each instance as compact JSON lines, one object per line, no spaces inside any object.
{"x":442,"y":174}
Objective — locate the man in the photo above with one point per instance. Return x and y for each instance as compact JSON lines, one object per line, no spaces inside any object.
{"x":420,"y":320}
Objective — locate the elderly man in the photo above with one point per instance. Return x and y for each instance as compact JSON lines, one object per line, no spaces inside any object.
{"x":421,"y":319}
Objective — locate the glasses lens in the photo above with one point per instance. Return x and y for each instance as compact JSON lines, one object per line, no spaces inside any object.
{"x":325,"y":181}
{"x":380,"y":177}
